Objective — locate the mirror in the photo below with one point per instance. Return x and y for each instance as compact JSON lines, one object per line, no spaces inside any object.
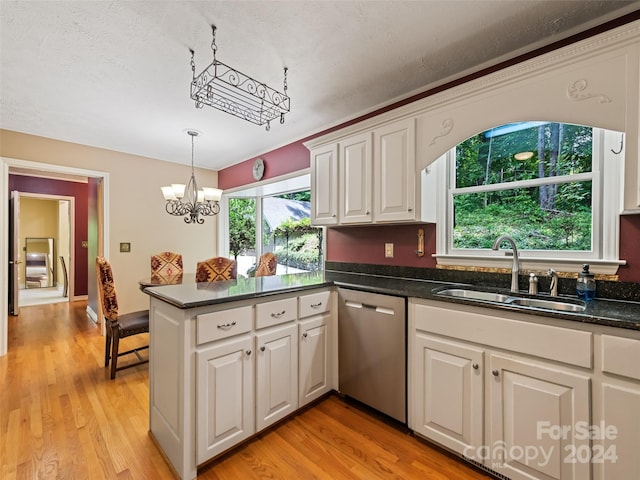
{"x":39,"y":264}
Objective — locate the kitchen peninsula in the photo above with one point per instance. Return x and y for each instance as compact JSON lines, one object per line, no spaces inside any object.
{"x":228,"y":359}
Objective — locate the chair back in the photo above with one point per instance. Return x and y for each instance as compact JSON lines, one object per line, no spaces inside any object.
{"x":107,"y":289}
{"x":267,"y":265}
{"x":166,"y":266}
{"x":217,"y":268}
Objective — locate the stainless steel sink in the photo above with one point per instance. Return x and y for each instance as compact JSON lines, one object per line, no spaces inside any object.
{"x":546,"y":304}
{"x":475,"y":295}
{"x":505,"y":299}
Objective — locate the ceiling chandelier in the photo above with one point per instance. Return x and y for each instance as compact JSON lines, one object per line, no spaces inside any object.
{"x":189,"y":202}
{"x":233,"y":92}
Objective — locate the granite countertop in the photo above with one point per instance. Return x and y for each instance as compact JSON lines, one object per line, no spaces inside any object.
{"x":192,"y":295}
{"x":614,"y":313}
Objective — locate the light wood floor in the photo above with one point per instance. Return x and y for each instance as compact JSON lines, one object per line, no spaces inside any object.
{"x":62,"y":418}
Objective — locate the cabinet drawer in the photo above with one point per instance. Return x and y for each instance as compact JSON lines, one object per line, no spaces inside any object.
{"x":276,"y":312}
{"x":313,"y":304}
{"x":621,"y":356}
{"x":223,"y":324}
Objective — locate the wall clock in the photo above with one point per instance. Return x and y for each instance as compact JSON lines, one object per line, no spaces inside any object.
{"x":258,"y":169}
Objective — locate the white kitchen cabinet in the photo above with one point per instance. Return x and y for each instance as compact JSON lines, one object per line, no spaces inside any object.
{"x":617,"y":396}
{"x":315,"y":357}
{"x":225,"y":397}
{"x":355,"y":179}
{"x":276,"y":373}
{"x":530,"y":404}
{"x":324,"y":185}
{"x":448,"y":382}
{"x":394,"y":172}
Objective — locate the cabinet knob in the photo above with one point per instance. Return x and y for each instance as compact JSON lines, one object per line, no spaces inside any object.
{"x":367,"y":212}
{"x":304,"y":335}
{"x":248,"y":352}
{"x":334,"y":215}
{"x":475,"y":366}
{"x":262,"y":348}
{"x":409,"y":209}
{"x":495,"y":373}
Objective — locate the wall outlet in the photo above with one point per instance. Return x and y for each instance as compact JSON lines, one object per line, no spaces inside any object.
{"x":388,"y":250}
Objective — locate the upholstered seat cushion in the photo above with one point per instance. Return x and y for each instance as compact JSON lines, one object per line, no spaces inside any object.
{"x":134,"y":322}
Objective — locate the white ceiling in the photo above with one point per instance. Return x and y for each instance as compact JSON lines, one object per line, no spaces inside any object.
{"x":116,"y":74}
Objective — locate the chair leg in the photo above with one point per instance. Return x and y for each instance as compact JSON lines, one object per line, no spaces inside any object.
{"x":107,"y":348}
{"x":114,"y":353}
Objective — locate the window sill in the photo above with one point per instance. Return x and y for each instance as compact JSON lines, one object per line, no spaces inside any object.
{"x":604,"y":267}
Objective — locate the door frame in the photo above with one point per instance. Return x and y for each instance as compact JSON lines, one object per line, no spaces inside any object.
{"x":103,"y":205}
{"x":72,"y":231}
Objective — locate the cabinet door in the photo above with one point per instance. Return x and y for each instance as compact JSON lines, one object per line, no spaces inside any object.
{"x":615,"y":450}
{"x":276,"y":374}
{"x":314,"y":359}
{"x":448,"y":406}
{"x":225,"y":396}
{"x":394,"y":172}
{"x":324,"y":185}
{"x":355,"y":166}
{"x":535,"y":417}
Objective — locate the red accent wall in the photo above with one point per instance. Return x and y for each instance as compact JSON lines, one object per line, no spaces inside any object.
{"x":366,"y":244}
{"x":629,"y":251}
{"x":287,"y":159}
{"x":77,"y":190}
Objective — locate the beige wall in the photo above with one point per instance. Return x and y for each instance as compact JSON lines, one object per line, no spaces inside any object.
{"x":135,"y":204}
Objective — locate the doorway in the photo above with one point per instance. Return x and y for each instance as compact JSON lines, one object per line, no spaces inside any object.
{"x":46,"y":229}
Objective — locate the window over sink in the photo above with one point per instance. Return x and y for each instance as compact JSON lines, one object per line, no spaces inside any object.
{"x":553,"y":187}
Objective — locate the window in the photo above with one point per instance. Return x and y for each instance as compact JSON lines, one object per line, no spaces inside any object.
{"x":542,"y":183}
{"x":273,"y":218}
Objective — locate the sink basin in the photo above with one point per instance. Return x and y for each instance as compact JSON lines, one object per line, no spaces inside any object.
{"x":475,"y":295}
{"x":547,"y":304}
{"x":507,"y":299}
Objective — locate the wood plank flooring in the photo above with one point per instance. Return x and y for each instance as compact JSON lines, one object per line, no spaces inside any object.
{"x":62,"y":418}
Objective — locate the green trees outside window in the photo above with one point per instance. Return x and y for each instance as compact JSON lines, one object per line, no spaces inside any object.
{"x":530,"y":180}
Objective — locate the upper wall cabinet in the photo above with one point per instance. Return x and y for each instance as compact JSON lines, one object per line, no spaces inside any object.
{"x":593,"y":82}
{"x":376,"y":177}
{"x":324,"y":185}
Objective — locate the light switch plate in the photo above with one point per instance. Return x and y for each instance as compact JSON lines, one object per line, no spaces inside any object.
{"x":388,"y":250}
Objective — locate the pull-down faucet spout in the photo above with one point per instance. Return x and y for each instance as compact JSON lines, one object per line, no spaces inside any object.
{"x":515,"y":269}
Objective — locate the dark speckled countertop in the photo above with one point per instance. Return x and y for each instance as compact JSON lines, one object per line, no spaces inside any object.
{"x":614,"y":313}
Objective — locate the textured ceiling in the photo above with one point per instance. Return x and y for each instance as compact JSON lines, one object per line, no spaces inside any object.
{"x":116,"y":74}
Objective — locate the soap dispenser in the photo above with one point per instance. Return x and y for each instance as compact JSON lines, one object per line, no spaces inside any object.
{"x":586,"y":285}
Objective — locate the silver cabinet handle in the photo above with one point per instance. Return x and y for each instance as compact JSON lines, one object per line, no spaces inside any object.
{"x":248,"y":352}
{"x":278,"y":314}
{"x":495,"y":373}
{"x":475,"y":366}
{"x":316,"y":305}
{"x":304,"y":335}
{"x":227,"y":325}
{"x":262,"y":348}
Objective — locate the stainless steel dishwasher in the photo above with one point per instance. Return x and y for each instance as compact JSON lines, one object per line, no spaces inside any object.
{"x":372,"y":350}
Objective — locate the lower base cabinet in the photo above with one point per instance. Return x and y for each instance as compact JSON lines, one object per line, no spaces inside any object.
{"x":315,"y":354}
{"x":533,"y":414}
{"x":448,"y":379}
{"x":276,"y":374}
{"x":225,"y":396}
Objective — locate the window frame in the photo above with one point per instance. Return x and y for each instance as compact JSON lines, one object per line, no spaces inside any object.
{"x":291,"y":183}
{"x":604,"y":256}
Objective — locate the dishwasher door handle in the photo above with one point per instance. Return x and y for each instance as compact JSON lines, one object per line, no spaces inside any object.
{"x":387,"y":311}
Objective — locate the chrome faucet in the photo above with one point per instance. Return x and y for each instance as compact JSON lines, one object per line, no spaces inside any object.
{"x":515,"y":269}
{"x":553,"y":286}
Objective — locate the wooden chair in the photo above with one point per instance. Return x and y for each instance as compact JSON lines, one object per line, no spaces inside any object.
{"x":166,"y":267}
{"x":267,"y":265}
{"x":118,"y":326}
{"x":217,"y":268}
